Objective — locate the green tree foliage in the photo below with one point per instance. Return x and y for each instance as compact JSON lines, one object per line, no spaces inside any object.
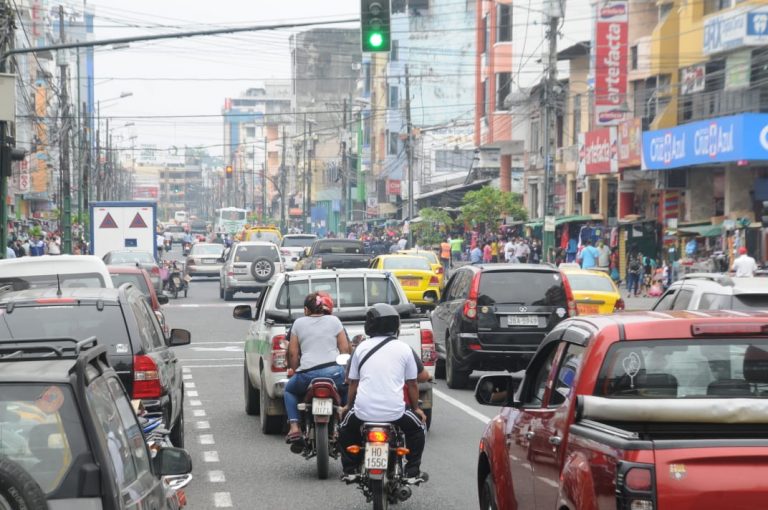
{"x":487,"y":206}
{"x":433,"y":226}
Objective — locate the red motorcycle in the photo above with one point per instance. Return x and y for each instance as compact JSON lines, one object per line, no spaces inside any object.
{"x":318,"y":416}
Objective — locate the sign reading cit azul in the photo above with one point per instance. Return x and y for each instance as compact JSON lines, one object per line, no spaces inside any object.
{"x":611,"y":37}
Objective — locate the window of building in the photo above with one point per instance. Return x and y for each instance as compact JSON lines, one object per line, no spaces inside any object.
{"x":484,"y":98}
{"x":456,"y":160}
{"x":394,"y":96}
{"x":503,"y":23}
{"x":503,"y":88}
{"x":393,"y":142}
{"x":633,"y":57}
{"x":485,"y":27}
{"x":250,"y":132}
{"x":367,"y":131}
{"x":534,"y":136}
{"x":398,"y":6}
{"x":576,"y":118}
{"x":394,"y":53}
{"x":711,"y":6}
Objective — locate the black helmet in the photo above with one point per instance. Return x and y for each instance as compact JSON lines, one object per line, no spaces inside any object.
{"x":382,"y":320}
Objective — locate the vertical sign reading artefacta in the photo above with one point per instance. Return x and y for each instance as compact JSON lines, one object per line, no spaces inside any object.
{"x":611,"y":38}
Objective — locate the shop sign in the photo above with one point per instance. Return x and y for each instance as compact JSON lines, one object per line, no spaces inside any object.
{"x":393,"y":187}
{"x":693,"y":79}
{"x":718,"y":140}
{"x":611,"y":37}
{"x":736,"y":29}
{"x":598,"y":152}
{"x":738,"y":70}
{"x":630,"y":140}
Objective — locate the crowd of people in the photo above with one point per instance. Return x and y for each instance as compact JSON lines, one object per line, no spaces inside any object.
{"x":35,"y":246}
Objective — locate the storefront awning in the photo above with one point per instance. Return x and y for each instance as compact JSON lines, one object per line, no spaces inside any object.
{"x":701,"y":231}
{"x":565,"y":219}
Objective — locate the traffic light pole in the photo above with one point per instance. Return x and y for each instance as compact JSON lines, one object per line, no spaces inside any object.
{"x":66,"y":183}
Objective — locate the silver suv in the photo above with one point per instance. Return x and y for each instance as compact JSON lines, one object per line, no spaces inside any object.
{"x":711,"y":291}
{"x":248,"y":267}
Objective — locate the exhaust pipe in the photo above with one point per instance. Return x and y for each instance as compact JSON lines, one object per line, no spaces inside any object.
{"x":403,"y":493}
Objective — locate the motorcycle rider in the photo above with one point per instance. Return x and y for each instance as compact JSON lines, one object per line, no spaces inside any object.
{"x":376,"y":392}
{"x":316,"y":340}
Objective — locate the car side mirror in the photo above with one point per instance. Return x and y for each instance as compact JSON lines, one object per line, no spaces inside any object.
{"x":497,"y":390}
{"x":179,"y":337}
{"x":172,"y":462}
{"x":243,"y":312}
{"x":162,"y":299}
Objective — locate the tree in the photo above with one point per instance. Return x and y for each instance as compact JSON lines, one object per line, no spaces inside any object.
{"x":488,"y":205}
{"x":433,"y":226}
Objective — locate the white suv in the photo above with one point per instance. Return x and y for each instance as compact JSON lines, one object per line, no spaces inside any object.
{"x":248,"y":267}
{"x":712,"y":291}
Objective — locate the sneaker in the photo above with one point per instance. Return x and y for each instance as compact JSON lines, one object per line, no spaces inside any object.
{"x":416,"y":478}
{"x":349,"y":478}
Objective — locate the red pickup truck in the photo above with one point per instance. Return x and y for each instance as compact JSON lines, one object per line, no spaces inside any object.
{"x":641,"y":411}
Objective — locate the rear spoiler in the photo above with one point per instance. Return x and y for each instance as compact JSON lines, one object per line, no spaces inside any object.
{"x":283,"y":317}
{"x":672,"y":410}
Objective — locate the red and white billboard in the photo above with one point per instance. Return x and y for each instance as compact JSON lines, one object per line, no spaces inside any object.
{"x":611,"y":50}
{"x":598,"y":152}
{"x":393,"y":187}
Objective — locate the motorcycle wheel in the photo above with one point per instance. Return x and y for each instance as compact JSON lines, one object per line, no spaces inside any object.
{"x":321,"y":443}
{"x":379,"y":492}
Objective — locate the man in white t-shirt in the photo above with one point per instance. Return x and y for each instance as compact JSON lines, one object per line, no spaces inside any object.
{"x":744,"y":265}
{"x":379,"y":369}
{"x":509,"y":250}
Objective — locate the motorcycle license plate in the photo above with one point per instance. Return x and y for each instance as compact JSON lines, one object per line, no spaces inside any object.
{"x":376,"y":455}
{"x":322,"y":406}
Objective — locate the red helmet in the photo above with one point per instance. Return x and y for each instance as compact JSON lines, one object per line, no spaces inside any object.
{"x":325,"y":302}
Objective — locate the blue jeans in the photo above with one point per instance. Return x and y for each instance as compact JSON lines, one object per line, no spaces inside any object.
{"x":299,"y":383}
{"x":633,"y":281}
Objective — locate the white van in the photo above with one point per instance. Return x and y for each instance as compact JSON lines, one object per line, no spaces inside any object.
{"x":68,"y":271}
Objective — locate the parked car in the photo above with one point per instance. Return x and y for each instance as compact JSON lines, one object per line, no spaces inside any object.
{"x":433,"y":260}
{"x":140,"y":279}
{"x":632,"y":411}
{"x":282,"y":302}
{"x":334,"y":254}
{"x":142,"y":259}
{"x":248,"y":267}
{"x":594,"y":291}
{"x":416,"y":276}
{"x":712,"y":291}
{"x":292,"y":246}
{"x":66,"y":271}
{"x":205,"y":259}
{"x":494,"y":316}
{"x":124,"y":323}
{"x":69,"y":437}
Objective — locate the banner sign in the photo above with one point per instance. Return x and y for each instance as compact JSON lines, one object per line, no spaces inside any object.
{"x":393,"y":187}
{"x":598,"y":154}
{"x":630,"y":141}
{"x":747,"y":26}
{"x":611,"y":36}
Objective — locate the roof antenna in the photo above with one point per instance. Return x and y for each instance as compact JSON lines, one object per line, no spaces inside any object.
{"x":58,"y":286}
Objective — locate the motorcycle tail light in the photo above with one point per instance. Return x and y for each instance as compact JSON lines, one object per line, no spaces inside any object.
{"x":376,"y":471}
{"x":402,"y":452}
{"x":322,"y":392}
{"x":279,"y":353}
{"x":354,"y":449}
{"x":377,"y":436}
{"x":146,"y":378}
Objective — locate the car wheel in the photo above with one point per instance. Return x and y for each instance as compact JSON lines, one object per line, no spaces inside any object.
{"x":177,"y":432}
{"x":228,"y":295}
{"x":251,"y":394}
{"x":269,"y":424}
{"x":262,"y":269}
{"x":488,"y":494}
{"x":18,"y":490}
{"x":221,"y":292}
{"x":440,"y":369}
{"x":456,"y":379}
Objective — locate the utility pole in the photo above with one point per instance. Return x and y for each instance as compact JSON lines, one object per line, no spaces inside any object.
{"x":6,"y":40}
{"x":79,"y":132}
{"x":343,"y":205}
{"x":304,"y":187}
{"x":548,"y":240}
{"x":66,"y":184}
{"x":283,"y":185}
{"x":86,"y":143}
{"x":253,"y":179}
{"x":97,"y":173}
{"x":264,"y":181}
{"x":310,"y":155}
{"x":409,"y":155}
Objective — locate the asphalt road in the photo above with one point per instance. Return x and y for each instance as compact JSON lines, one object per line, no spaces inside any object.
{"x":236,"y":466}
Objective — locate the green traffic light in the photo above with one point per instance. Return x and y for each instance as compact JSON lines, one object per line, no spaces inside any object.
{"x":376,"y":40}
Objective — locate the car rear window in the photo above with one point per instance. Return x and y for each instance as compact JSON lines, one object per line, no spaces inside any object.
{"x":750,"y":302}
{"x":40,"y":429}
{"x":594,"y":283}
{"x":207,"y":249}
{"x":407,"y":263}
{"x":126,"y":257}
{"x":173,"y":229}
{"x":530,"y":288}
{"x":251,"y":253}
{"x":351,"y":292}
{"x":267,"y":236}
{"x":685,"y":369}
{"x":298,"y":242}
{"x":67,"y":281}
{"x":339,"y":247}
{"x":136,"y":279}
{"x":429,"y":256}
{"x":68,"y":321}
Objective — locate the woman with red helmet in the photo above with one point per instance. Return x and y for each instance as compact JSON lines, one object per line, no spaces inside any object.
{"x":316,"y":340}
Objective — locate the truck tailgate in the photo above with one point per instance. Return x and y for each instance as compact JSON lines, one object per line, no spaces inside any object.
{"x":712,"y":478}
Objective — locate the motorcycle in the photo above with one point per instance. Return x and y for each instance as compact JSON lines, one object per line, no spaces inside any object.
{"x":177,"y":281}
{"x":319,"y":423}
{"x":185,"y":249}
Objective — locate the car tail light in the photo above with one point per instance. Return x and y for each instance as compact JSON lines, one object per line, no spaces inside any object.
{"x":572,"y":310}
{"x":635,"y":486}
{"x":155,"y":270}
{"x":638,"y":479}
{"x":619,"y":305}
{"x":322,"y":392}
{"x":230,"y":273}
{"x":440,"y":270}
{"x":378,"y":436}
{"x":279,"y":353}
{"x":434,"y":280}
{"x":470,"y":305}
{"x":428,"y":352}
{"x":146,"y":378}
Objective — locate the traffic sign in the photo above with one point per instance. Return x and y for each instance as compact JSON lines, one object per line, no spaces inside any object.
{"x":108,"y":222}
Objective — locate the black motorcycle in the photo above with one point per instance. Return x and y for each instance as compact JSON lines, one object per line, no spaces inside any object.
{"x":177,"y":281}
{"x":319,"y":423}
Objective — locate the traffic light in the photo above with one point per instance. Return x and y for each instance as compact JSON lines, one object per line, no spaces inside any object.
{"x":8,"y":154}
{"x":375,"y":26}
{"x":229,"y":171}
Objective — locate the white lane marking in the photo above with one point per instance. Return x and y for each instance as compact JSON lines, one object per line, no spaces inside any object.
{"x":219,"y":342}
{"x":204,"y":305}
{"x":241,"y":358}
{"x":195,"y":403}
{"x":187,"y":376}
{"x":202,"y":425}
{"x":549,"y":482}
{"x":216,"y":477}
{"x":198,"y":413}
{"x":222,"y":500}
{"x":463,"y":407}
{"x":217,"y":366}
{"x":207,"y":439}
{"x":190,"y":385}
{"x":185,"y":369}
{"x":192,"y":393}
{"x":224,"y":348}
{"x":211,"y":456}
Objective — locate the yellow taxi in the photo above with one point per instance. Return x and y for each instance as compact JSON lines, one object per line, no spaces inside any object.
{"x":434,"y":262}
{"x":263,"y":233}
{"x":419,"y":282}
{"x":594,"y":291}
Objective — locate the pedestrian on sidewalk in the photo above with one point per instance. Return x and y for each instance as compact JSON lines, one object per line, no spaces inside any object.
{"x":456,"y":248}
{"x":744,"y":265}
{"x":633,"y":276}
{"x":476,"y":255}
{"x":487,"y":253}
{"x":445,"y":254}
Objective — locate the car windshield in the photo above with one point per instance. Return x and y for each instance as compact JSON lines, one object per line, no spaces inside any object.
{"x":530,"y":288}
{"x":426,"y":255}
{"x":298,"y":242}
{"x":207,"y":249}
{"x":588,"y":282}
{"x":40,"y":429}
{"x":174,"y":229}
{"x":407,"y":263}
{"x":263,"y":235}
{"x":66,"y":281}
{"x":253,"y":252}
{"x":685,"y":369}
{"x":68,"y":321}
{"x":136,"y":279}
{"x":351,"y":292}
{"x":130,"y":257}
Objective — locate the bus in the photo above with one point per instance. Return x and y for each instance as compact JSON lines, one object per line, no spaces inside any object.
{"x":230,"y":220}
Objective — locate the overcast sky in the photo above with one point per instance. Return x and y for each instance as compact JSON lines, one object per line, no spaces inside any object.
{"x":214,"y":67}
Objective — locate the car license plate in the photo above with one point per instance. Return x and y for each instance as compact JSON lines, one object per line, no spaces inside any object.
{"x":241,"y":270}
{"x":409,"y":282}
{"x":209,"y":261}
{"x":322,"y":406}
{"x":522,"y":320}
{"x":376,"y":455}
{"x":587,"y":309}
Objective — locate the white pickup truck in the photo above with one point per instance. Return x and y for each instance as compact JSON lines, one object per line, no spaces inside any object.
{"x":282,"y":302}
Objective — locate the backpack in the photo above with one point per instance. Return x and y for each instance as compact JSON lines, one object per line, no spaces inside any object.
{"x":634,"y":266}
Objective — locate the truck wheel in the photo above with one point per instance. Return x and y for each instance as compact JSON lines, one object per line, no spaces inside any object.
{"x":18,"y":490}
{"x":269,"y":424}
{"x":488,"y":494}
{"x":262,"y":269}
{"x":456,"y":379}
{"x":251,"y":394}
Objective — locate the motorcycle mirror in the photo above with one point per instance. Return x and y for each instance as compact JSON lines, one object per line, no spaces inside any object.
{"x":342,"y":359}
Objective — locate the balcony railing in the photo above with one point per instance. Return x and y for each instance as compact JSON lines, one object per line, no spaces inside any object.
{"x":706,"y":105}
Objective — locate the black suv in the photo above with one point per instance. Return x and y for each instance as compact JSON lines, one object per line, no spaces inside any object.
{"x":69,"y":438}
{"x":494,"y":316}
{"x":123,"y":322}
